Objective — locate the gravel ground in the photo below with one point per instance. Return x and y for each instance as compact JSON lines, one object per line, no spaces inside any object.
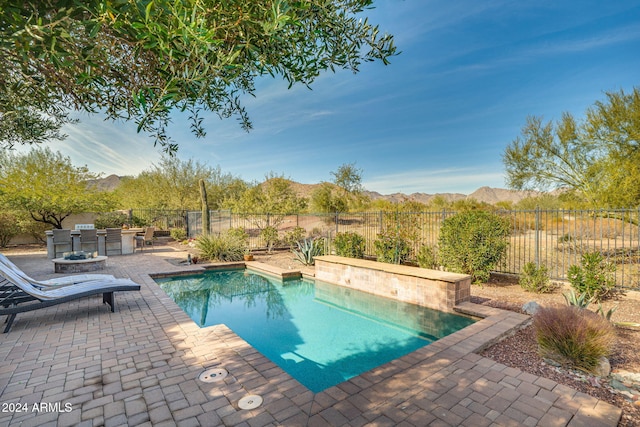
{"x":521,"y":351}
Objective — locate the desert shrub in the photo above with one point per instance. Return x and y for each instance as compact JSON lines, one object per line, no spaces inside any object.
{"x":391,"y":247}
{"x":569,"y":243}
{"x":473,"y":242}
{"x":136,"y":221}
{"x":594,"y":276}
{"x":573,"y":336}
{"x":224,"y":247}
{"x":349,"y":244}
{"x":316,"y":232}
{"x":308,"y":249}
{"x":270,"y":236}
{"x":178,"y":234}
{"x":427,"y":257}
{"x":111,"y":220}
{"x":9,"y":228}
{"x":535,"y":279}
{"x":35,"y":229}
{"x":292,"y":237}
{"x":239,"y":233}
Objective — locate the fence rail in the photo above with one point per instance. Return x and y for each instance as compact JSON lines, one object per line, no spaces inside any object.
{"x":555,"y":238}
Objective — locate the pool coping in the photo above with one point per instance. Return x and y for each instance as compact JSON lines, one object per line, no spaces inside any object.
{"x":445,"y":359}
{"x":451,"y":359}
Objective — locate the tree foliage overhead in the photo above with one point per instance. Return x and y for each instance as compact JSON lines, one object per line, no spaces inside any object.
{"x":597,"y":159}
{"x":138,"y":60}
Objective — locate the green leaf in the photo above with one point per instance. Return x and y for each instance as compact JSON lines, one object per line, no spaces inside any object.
{"x":147,"y":11}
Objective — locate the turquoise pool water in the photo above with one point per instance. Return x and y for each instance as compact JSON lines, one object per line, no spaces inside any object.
{"x":321,"y":334}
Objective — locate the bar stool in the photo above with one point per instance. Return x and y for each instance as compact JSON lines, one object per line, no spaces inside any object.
{"x":61,"y":242}
{"x":113,"y":238}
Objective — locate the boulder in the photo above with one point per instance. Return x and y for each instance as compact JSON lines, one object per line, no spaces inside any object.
{"x":603,"y":369}
{"x":531,"y":308}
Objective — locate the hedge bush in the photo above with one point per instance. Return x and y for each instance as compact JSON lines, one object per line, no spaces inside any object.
{"x":473,"y":242}
{"x":391,"y":247}
{"x":593,"y":277}
{"x":178,"y":234}
{"x":536,"y":279}
{"x":349,"y":244}
{"x":427,"y":257}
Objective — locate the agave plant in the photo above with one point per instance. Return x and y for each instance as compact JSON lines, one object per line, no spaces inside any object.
{"x":308,"y":249}
{"x":608,"y":313}
{"x":580,"y":301}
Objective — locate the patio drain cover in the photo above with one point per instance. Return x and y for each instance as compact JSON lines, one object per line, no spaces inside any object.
{"x":213,"y":375}
{"x":250,"y":401}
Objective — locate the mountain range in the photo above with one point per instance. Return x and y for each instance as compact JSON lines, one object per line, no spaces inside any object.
{"x":483,"y":194}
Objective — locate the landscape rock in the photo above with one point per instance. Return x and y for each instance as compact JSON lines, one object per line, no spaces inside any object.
{"x":629,"y":379}
{"x":531,"y":308}
{"x":603,"y":369}
{"x":551,"y":362}
{"x":627,"y":384}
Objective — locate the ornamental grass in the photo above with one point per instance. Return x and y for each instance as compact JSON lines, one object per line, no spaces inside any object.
{"x":573,"y":337}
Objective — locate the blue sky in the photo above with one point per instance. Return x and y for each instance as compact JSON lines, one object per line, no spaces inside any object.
{"x":436,"y":120}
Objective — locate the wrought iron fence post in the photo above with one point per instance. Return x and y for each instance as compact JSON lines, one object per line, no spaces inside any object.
{"x":537,"y":239}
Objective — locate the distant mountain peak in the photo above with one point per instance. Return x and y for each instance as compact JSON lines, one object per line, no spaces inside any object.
{"x":483,"y":194}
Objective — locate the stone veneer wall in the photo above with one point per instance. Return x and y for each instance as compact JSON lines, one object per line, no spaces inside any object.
{"x":430,"y":288}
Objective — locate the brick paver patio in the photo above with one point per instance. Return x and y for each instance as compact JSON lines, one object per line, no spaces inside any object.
{"x":79,"y":364}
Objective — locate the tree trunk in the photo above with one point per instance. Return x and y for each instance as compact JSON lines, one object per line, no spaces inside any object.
{"x":205,"y":208}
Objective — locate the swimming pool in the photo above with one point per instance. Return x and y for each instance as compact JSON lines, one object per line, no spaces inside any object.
{"x":320,"y":334}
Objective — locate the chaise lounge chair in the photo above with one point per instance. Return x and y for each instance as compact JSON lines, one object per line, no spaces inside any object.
{"x":56,"y":282}
{"x":18,"y":295}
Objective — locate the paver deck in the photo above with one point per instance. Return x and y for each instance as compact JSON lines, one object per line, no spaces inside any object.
{"x":80,"y":364}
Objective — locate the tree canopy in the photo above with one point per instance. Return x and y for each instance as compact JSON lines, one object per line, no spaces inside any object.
{"x":273,"y":196}
{"x":48,"y":187}
{"x":174,"y":184}
{"x":344,"y":193}
{"x":139,"y":60}
{"x":597,"y":159}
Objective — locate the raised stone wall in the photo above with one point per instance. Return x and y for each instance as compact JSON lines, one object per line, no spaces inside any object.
{"x":430,"y":288}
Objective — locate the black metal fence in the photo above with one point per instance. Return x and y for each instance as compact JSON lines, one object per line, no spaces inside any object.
{"x":162,"y":219}
{"x":554,"y":238}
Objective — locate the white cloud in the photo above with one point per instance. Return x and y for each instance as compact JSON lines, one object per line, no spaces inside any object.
{"x":107,"y":147}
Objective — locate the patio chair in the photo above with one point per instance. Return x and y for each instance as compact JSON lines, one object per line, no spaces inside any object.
{"x":61,"y":242}
{"x":55,"y":282}
{"x":18,"y":295}
{"x":113,"y":238}
{"x":88,"y":240}
{"x":147,"y":238}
